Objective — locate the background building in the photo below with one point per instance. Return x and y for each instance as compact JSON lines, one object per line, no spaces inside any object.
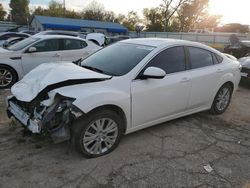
{"x":41,"y":23}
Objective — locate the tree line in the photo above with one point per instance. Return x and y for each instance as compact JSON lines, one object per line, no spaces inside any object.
{"x":170,"y":15}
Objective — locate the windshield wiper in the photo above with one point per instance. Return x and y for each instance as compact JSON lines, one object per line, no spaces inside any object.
{"x":98,"y":70}
{"x":93,"y":69}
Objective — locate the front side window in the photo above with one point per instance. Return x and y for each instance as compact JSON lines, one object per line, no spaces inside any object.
{"x":171,"y":60}
{"x":47,"y":45}
{"x":73,"y":44}
{"x":22,"y":44}
{"x":117,"y":59}
{"x":199,"y":57}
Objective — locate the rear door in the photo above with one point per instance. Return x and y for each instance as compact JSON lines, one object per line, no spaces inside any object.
{"x":154,"y":99}
{"x":46,"y":51}
{"x":205,"y":72}
{"x":73,"y":49}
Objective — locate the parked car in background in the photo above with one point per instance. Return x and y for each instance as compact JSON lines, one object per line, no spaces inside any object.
{"x":114,"y":39}
{"x":125,"y":87}
{"x":59,"y":32}
{"x":238,"y":48}
{"x":5,"y":36}
{"x":245,"y":72}
{"x":28,"y":32}
{"x":18,"y":59}
{"x":12,"y":41}
{"x":97,"y":38}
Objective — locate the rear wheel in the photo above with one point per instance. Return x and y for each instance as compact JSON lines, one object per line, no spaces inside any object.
{"x":222,"y":99}
{"x":97,"y":134}
{"x":7,"y":77}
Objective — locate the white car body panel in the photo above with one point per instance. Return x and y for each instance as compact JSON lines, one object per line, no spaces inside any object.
{"x":98,"y":37}
{"x":32,"y":60}
{"x":144,"y":102}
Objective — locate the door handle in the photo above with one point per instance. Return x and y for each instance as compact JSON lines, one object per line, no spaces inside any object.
{"x":219,"y":71}
{"x":185,"y":79}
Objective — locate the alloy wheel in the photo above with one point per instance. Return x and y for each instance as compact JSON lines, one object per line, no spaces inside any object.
{"x":100,"y":136}
{"x":6,"y":77}
{"x":223,"y":99}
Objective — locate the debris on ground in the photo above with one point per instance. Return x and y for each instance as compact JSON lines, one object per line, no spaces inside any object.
{"x":208,"y":168}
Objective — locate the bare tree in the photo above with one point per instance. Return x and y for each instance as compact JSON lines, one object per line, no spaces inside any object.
{"x":169,"y":8}
{"x":2,"y":12}
{"x":94,"y":11}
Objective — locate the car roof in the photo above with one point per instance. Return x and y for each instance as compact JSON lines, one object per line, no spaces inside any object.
{"x":11,"y":33}
{"x":55,"y":36}
{"x":165,"y":42}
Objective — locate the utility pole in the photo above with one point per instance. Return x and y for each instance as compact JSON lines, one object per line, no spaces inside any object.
{"x":64,"y":8}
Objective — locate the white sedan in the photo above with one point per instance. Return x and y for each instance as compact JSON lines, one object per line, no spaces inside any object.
{"x":125,"y":87}
{"x":20,"y":58}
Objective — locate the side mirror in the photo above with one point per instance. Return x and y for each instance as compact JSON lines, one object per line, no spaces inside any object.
{"x":32,"y":49}
{"x":154,"y":73}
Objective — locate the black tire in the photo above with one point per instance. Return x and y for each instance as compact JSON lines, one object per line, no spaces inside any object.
{"x":80,"y":127}
{"x":12,"y":74}
{"x":214,"y":109}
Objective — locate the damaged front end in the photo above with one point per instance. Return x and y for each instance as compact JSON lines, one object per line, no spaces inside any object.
{"x":51,"y":116}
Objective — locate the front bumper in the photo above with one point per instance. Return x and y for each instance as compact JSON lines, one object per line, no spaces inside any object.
{"x":34,"y":125}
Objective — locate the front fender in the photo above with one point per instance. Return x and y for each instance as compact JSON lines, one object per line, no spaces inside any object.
{"x":90,"y":102}
{"x":89,"y":98}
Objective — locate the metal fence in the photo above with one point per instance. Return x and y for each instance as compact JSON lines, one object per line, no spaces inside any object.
{"x":216,"y":40}
{"x":4,"y":26}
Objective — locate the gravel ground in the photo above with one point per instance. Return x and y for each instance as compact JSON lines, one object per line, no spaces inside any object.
{"x":171,"y":154}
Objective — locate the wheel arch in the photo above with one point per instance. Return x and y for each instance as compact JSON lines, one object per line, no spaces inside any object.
{"x":116,"y":109}
{"x":230,"y":83}
{"x":10,"y":67}
{"x":224,"y":83}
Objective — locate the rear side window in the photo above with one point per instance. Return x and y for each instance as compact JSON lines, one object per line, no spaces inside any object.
{"x":170,"y":60}
{"x":72,"y":44}
{"x":219,"y":58}
{"x":200,"y":57}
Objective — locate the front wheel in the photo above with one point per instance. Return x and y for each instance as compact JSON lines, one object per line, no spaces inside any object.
{"x":222,"y":99}
{"x":7,"y":77}
{"x":97,"y":134}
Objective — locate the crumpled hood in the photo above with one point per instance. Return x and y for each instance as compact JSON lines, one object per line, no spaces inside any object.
{"x":52,"y":76}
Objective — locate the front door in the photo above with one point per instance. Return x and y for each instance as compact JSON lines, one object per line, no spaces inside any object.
{"x":46,"y":51}
{"x":155,"y":99}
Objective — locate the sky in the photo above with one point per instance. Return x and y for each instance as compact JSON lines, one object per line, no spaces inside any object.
{"x":233,"y":11}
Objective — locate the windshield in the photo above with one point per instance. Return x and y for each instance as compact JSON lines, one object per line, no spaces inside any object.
{"x":117,"y":59}
{"x":22,"y":44}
